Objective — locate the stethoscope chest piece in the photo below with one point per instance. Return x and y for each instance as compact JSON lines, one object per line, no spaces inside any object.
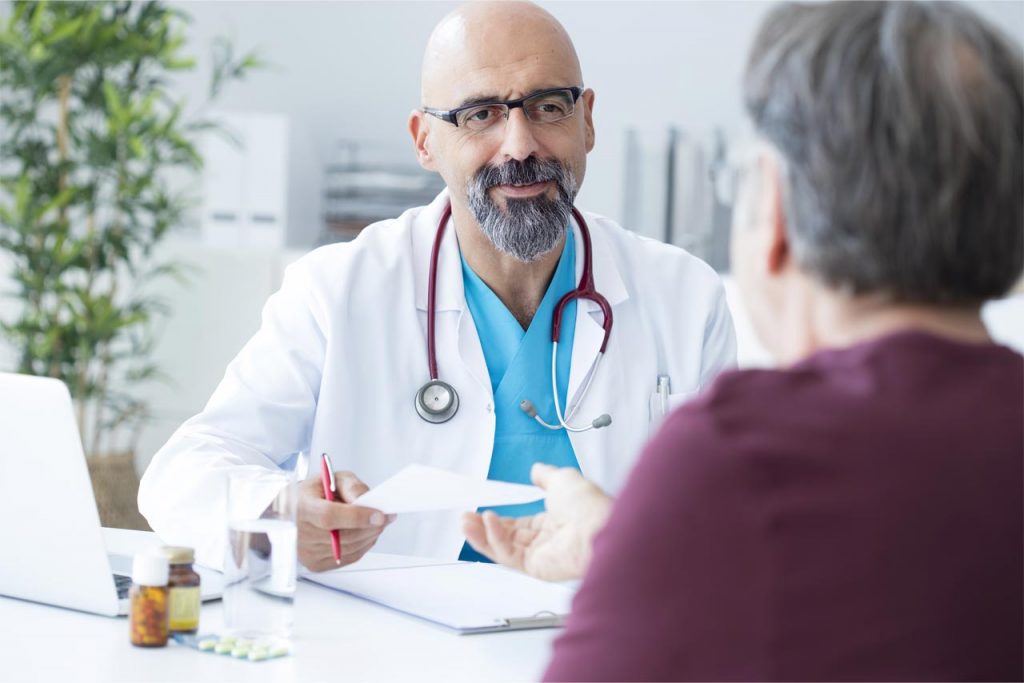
{"x":437,"y":401}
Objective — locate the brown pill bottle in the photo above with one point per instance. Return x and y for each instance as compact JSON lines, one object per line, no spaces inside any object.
{"x":149,"y":600}
{"x":183,"y":582}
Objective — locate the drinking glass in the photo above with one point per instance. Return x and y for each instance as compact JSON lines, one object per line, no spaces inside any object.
{"x":260,"y":564}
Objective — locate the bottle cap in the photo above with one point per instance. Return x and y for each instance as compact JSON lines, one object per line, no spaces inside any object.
{"x":179,"y":554}
{"x":150,"y":569}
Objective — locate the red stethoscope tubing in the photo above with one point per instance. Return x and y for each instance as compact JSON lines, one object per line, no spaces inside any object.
{"x":585,"y":290}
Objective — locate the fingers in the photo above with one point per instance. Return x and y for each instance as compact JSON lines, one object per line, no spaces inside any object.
{"x":318,"y":549}
{"x":325,"y":514}
{"x":350,"y":486}
{"x":501,"y":536}
{"x":540,"y":474}
{"x":321,"y":537}
{"x":491,"y":536}
{"x":319,"y":562}
{"x":544,"y":475}
{"x":317,"y":553}
{"x":330,"y":515}
{"x":354,"y":552}
{"x":476,"y":534}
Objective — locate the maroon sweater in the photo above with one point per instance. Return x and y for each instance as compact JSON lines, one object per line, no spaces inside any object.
{"x":856,"y":516}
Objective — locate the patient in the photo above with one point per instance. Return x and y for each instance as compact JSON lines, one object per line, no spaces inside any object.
{"x":856,"y":514}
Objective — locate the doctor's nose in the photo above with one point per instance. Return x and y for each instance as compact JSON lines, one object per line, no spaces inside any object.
{"x":518,"y":141}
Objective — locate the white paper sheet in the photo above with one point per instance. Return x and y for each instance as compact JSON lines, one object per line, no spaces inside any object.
{"x":418,"y":488}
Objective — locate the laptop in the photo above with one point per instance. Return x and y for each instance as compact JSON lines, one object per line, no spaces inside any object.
{"x":51,"y":541}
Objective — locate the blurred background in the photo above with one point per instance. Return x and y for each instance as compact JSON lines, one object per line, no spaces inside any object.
{"x":310,"y":106}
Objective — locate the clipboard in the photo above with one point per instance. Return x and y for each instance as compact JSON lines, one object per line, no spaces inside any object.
{"x":466,"y":597}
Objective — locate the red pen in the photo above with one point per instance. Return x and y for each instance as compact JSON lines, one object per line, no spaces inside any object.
{"x":331,"y":493}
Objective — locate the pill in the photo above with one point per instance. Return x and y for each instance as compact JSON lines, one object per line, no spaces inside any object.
{"x":257,"y":655}
{"x":279,"y":651}
{"x":207,"y":645}
{"x":222,"y":648}
{"x":240,"y":652}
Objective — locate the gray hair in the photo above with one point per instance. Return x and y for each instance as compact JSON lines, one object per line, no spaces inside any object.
{"x":525,"y":229}
{"x":900,"y":126}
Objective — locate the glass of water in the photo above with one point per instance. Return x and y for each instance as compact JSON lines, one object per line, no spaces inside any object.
{"x":260,"y":564}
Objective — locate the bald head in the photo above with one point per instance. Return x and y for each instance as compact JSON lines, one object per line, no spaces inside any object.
{"x":481,"y":44}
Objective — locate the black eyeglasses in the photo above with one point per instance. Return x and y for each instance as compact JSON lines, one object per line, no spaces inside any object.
{"x":546,"y":106}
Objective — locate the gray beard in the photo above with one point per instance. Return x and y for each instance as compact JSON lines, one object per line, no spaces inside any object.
{"x":527,"y":228}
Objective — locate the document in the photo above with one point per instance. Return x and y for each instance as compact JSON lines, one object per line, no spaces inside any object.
{"x":419,"y":488}
{"x":468,"y":597}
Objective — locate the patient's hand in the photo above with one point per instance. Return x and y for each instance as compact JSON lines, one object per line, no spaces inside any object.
{"x":554,"y":545}
{"x":358,"y":527}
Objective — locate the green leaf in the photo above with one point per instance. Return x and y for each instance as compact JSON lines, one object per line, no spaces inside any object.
{"x":60,"y":201}
{"x":137,"y":147}
{"x":114,"y":104}
{"x":38,"y":14}
{"x":63,"y":31}
{"x":22,"y":195}
{"x":38,"y":52}
{"x":180,"y":64}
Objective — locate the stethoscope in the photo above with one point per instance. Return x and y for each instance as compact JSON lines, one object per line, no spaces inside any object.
{"x":437,"y":401}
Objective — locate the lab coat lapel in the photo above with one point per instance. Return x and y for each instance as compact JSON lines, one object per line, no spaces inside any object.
{"x":454,"y":327}
{"x":589,"y":318}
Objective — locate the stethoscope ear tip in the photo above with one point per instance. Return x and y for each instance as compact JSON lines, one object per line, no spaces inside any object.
{"x":526,"y":405}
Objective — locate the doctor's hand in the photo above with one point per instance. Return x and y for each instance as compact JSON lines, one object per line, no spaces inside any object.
{"x":555,"y":544}
{"x":358,"y":527}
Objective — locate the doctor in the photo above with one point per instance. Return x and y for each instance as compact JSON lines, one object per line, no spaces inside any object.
{"x":419,"y":341}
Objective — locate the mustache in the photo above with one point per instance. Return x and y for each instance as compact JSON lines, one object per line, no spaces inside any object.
{"x":526,"y":172}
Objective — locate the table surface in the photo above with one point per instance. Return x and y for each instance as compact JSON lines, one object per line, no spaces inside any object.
{"x":337,"y":637}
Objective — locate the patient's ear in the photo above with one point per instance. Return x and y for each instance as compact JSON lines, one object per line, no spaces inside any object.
{"x":774,"y":214}
{"x":419,"y":128}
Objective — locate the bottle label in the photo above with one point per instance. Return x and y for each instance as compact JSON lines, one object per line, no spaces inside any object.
{"x":184,"y":611}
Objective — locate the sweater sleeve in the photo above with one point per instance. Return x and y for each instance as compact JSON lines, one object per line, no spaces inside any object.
{"x":672,"y":567}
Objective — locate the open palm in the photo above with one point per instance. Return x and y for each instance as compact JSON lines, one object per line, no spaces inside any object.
{"x":552,"y":545}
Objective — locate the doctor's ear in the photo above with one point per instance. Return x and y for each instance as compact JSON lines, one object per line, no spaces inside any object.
{"x":419,"y":128}
{"x":587,"y":100}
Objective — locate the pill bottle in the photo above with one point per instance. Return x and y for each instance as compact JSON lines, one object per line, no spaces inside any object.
{"x":183,"y":583}
{"x":149,"y":598}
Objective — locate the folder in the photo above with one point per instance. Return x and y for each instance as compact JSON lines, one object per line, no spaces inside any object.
{"x":467,"y":597}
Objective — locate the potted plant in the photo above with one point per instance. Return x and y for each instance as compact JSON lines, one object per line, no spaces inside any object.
{"x":90,"y":137}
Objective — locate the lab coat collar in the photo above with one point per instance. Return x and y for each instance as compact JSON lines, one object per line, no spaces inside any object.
{"x":451,"y":295}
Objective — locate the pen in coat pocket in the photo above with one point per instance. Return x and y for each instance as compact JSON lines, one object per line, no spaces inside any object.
{"x":664,"y":389}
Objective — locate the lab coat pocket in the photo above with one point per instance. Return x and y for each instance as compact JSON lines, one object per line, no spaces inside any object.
{"x":658,"y":408}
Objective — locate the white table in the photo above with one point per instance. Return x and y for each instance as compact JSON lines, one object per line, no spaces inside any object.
{"x":337,"y":638}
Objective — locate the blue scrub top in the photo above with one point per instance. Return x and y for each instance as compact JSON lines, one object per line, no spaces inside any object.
{"x":519,"y":365}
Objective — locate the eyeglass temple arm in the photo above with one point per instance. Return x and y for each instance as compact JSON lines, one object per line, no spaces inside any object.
{"x":443,"y":114}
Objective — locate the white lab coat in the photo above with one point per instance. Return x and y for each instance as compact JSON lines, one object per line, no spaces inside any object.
{"x":341,"y":353}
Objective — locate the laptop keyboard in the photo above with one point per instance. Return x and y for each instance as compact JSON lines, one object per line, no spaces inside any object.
{"x":122,"y":583}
